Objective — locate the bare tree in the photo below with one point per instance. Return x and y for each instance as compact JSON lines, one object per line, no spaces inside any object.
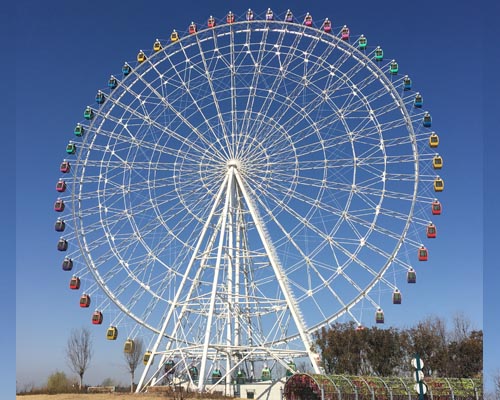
{"x":79,"y":352}
{"x":132,"y":360}
{"x":462,"y":327}
{"x":496,"y":384}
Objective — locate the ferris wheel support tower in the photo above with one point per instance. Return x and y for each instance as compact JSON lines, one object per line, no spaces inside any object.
{"x":232,"y":248}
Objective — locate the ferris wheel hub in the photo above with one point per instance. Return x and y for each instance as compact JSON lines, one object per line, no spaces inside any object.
{"x":233,"y":163}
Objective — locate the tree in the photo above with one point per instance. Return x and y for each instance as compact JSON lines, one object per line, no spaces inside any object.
{"x":132,"y":360}
{"x":79,"y":352}
{"x":428,"y":339}
{"x":384,"y":352}
{"x":342,"y":348}
{"x":58,"y":382}
{"x":462,"y":327}
{"x":496,"y":384}
{"x":466,"y":356}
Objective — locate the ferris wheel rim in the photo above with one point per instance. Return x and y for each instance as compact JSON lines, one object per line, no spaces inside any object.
{"x":339,"y":43}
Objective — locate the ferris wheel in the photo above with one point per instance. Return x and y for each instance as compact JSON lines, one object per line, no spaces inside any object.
{"x":243,"y":184}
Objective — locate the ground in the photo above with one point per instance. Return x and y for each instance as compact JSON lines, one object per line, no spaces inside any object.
{"x":95,"y":396}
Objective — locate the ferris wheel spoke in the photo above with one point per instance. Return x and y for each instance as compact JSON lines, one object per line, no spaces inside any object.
{"x":162,"y":128}
{"x":202,"y":74}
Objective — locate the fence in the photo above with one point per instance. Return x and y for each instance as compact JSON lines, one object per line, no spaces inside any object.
{"x":343,"y":387}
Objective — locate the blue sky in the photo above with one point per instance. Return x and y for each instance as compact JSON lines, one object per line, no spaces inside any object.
{"x":65,"y":52}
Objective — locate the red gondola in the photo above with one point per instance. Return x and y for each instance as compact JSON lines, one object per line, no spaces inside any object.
{"x":85,"y":301}
{"x":431,"y":231}
{"x":344,"y":33}
{"x":192,"y":28}
{"x":65,"y":167}
{"x":327,"y":25}
{"x":74,"y":283}
{"x":97,"y":318}
{"x":436,"y":208}
{"x":211,"y":22}
{"x":308,"y":20}
{"x":61,"y":186}
{"x":230,"y":17}
{"x":360,"y":328}
{"x":423,"y":254}
{"x":59,"y":205}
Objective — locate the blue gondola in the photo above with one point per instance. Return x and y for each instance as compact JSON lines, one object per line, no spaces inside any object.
{"x":99,"y":97}
{"x":419,"y":101}
{"x":406,"y":83}
{"x":427,"y":120}
{"x":112,"y":83}
{"x":126,"y":69}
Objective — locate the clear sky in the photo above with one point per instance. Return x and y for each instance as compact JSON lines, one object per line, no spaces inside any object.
{"x":66,"y":50}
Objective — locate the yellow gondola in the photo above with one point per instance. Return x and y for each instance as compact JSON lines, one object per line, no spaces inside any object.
{"x":433,"y":140}
{"x":437,"y":162}
{"x":141,"y":57}
{"x":157,"y":45}
{"x":174,"y":36}
{"x":146,"y":357}
{"x":129,"y":346}
{"x":112,"y":333}
{"x":438,"y":184}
